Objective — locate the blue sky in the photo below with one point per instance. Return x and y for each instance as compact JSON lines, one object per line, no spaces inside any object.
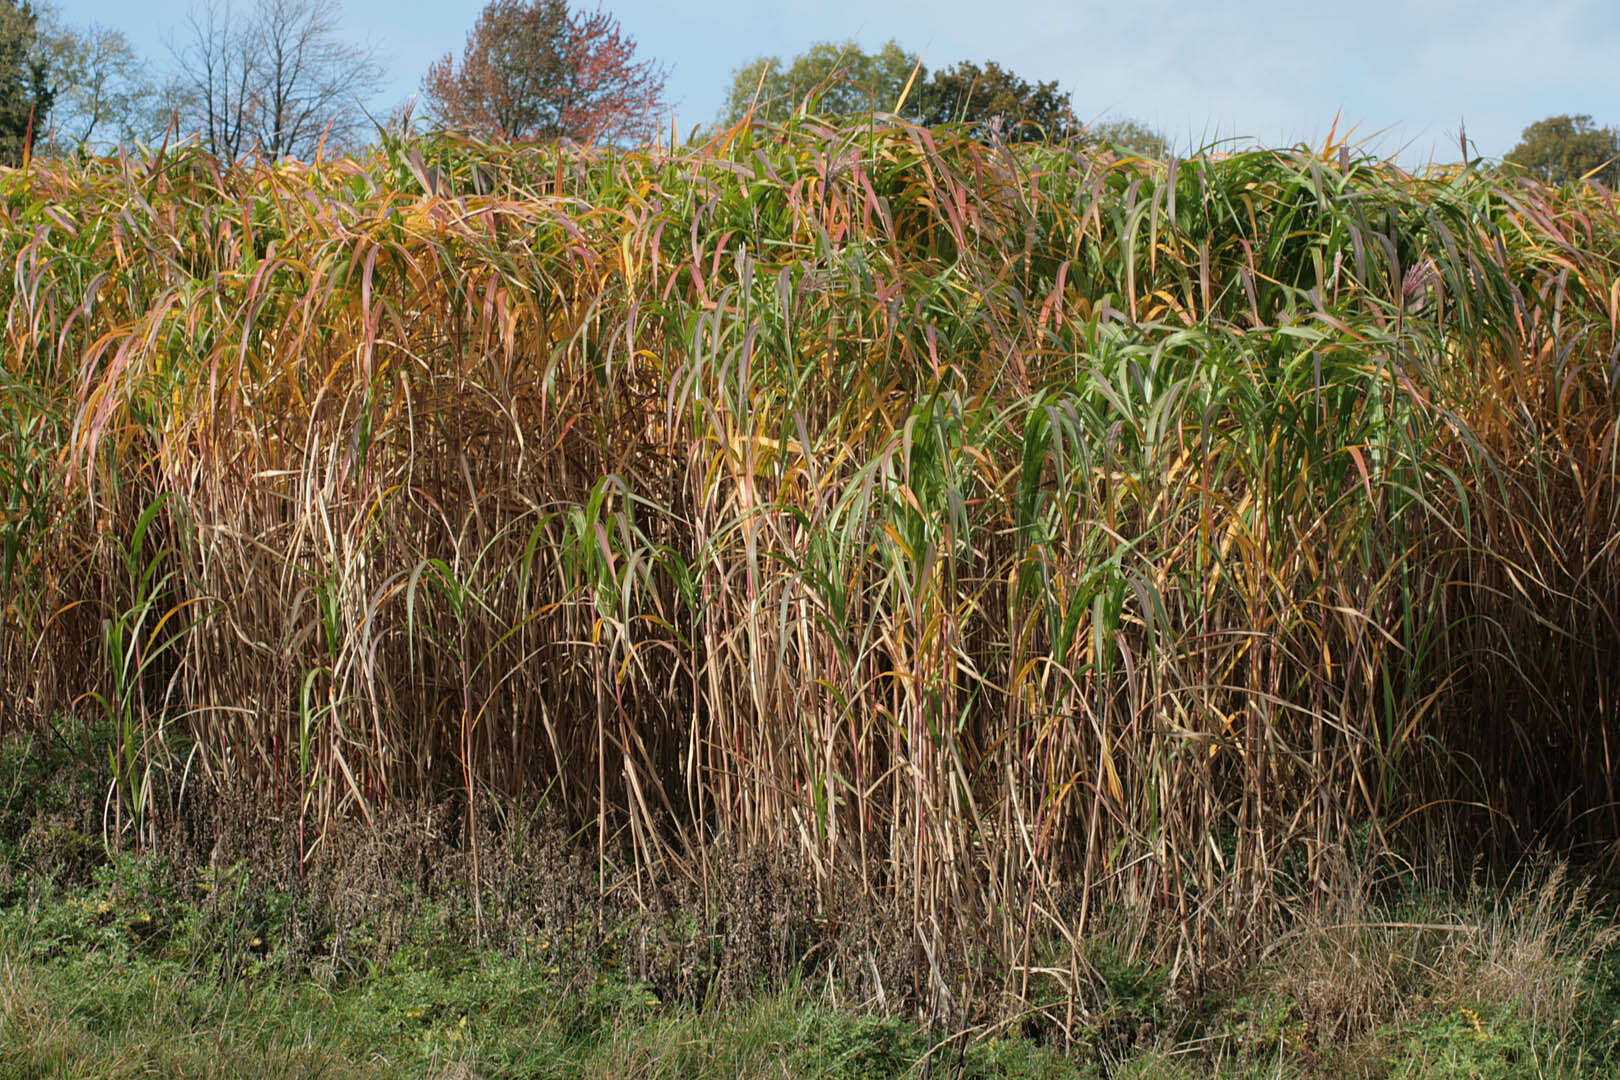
{"x":1277,"y":71}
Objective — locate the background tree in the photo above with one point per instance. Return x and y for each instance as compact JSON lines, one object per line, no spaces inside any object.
{"x":849,"y":81}
{"x":279,"y":81}
{"x":531,"y":69}
{"x":103,"y":91}
{"x":25,"y":90}
{"x":1561,"y":149}
{"x":970,"y":94}
{"x":172,"y":102}
{"x":1129,"y":135}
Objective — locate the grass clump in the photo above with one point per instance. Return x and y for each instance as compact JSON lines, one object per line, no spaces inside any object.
{"x":129,"y":973}
{"x":86,"y":991}
{"x":983,"y":539}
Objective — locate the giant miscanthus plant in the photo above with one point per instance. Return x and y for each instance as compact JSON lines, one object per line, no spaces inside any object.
{"x":1018,"y":535}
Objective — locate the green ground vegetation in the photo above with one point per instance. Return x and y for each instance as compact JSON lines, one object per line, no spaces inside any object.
{"x":131,"y":964}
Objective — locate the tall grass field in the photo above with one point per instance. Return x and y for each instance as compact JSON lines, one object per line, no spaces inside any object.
{"x":1001,"y":542}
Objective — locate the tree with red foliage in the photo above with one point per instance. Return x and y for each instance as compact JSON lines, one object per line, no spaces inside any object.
{"x":534,"y":70}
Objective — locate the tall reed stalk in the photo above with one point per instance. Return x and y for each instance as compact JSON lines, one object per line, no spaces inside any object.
{"x":1009,"y":532}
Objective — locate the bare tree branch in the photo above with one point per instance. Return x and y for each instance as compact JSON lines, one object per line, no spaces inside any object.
{"x":100,"y":84}
{"x":280,"y":81}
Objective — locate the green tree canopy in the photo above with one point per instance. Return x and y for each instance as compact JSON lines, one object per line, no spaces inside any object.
{"x":103,"y":92}
{"x":970,"y":94}
{"x":1129,"y":135}
{"x":1561,"y":149}
{"x":845,"y":79}
{"x":25,"y":91}
{"x":848,"y":80}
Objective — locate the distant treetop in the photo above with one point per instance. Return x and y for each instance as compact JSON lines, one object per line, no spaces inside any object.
{"x":840,"y":78}
{"x":532,"y":69}
{"x":967,"y":93}
{"x":1132,"y":136}
{"x":1562,"y":149}
{"x":276,"y":78}
{"x":844,"y":78}
{"x":25,"y":91}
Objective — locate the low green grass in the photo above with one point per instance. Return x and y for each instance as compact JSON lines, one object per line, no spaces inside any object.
{"x":125,"y":964}
{"x":112,"y":977}
{"x":83,"y":993}
{"x":122,"y":964}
